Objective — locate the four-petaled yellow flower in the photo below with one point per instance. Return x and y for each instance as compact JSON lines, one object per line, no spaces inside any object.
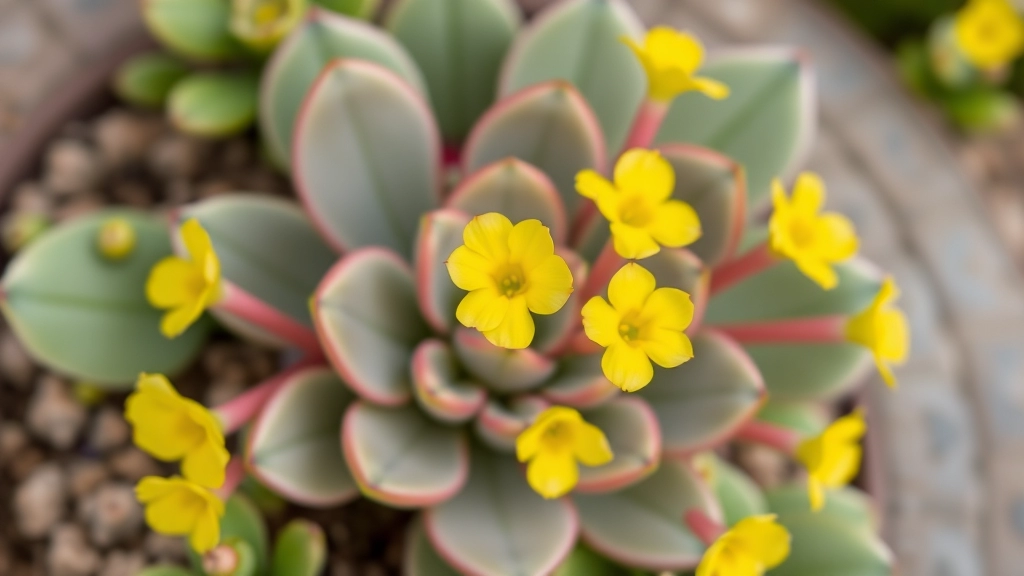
{"x":179,"y":507}
{"x":832,"y":458}
{"x":990,"y":33}
{"x":638,"y":205}
{"x":671,"y":60}
{"x":882,"y":329}
{"x":186,"y":287}
{"x":813,"y":240}
{"x":553,"y":444}
{"x":509,"y":271}
{"x":751,"y":547}
{"x":640,"y":324}
{"x":171,"y":427}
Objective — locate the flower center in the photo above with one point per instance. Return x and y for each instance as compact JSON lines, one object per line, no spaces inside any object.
{"x":636,"y":211}
{"x":267,"y":12}
{"x":558,"y":435}
{"x":801,"y":232}
{"x":630,"y":327}
{"x":511,"y":280}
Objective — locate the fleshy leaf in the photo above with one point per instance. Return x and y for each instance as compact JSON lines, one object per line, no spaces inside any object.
{"x":549,"y":126}
{"x":579,"y":382}
{"x":88,"y":317}
{"x":766,"y":124}
{"x":214,"y":104}
{"x":635,"y":438}
{"x":808,"y":418}
{"x":515,"y":189}
{"x":853,"y":507}
{"x":499,"y":423}
{"x":440,"y":234}
{"x":500,"y":369}
{"x":267,"y":247}
{"x":300,"y":550}
{"x":195,"y":29}
{"x":401,"y":458}
{"x":701,"y":403}
{"x":356,"y":8}
{"x":642,"y":526}
{"x":297,"y":62}
{"x":499,"y":525}
{"x":147,"y":79}
{"x":580,"y":41}
{"x":737,"y":493}
{"x":420,"y":557}
{"x":437,"y":385}
{"x":585,"y":562}
{"x":367,"y":318}
{"x":367,"y":157}
{"x":295,"y":445}
{"x":459,"y":46}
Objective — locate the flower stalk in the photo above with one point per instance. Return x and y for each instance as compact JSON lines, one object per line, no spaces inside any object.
{"x":247,"y":307}
{"x":703,"y":526}
{"x":749,"y":264}
{"x":782,"y":439}
{"x":816,"y":330}
{"x":233,"y":476}
{"x":647,"y":123}
{"x":240,"y":410}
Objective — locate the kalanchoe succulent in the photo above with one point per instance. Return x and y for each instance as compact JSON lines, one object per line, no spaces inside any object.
{"x":421,"y":183}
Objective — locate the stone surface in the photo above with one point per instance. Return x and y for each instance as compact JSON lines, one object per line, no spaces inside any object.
{"x":39,"y":501}
{"x":54,"y":415}
{"x":69,"y":553}
{"x":111,"y":514}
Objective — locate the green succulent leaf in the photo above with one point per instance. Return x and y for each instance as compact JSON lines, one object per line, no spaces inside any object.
{"x":579,"y":382}
{"x":438,"y":386}
{"x":267,"y":247}
{"x":459,"y":46}
{"x":766,"y":124}
{"x":147,"y":79}
{"x":642,"y":526}
{"x":298,"y":61}
{"x":363,"y":9}
{"x":500,"y":423}
{"x":848,"y":505}
{"x":301,"y":550}
{"x":500,"y":369}
{"x":549,"y":126}
{"x":367,"y":157}
{"x":195,"y":29}
{"x":585,"y":562}
{"x":98,"y":327}
{"x":401,"y":458}
{"x":439,"y":235}
{"x":496,"y":513}
{"x":420,"y":557}
{"x":294,"y":446}
{"x":635,"y":439}
{"x":804,"y":372}
{"x":214,"y":104}
{"x":702,"y":402}
{"x":807,"y":418}
{"x":737,"y":493}
{"x":580,"y":41}
{"x":368,"y":320}
{"x":982,"y":109}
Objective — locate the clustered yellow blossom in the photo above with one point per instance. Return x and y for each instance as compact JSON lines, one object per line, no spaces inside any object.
{"x":186,"y":286}
{"x":832,"y":458}
{"x":751,"y":547}
{"x":882,"y":328}
{"x":553,"y":444}
{"x":671,"y":60}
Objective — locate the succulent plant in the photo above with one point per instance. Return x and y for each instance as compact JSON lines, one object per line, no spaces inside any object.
{"x":392,"y":157}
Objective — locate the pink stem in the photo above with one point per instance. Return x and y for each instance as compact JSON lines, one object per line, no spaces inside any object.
{"x":607,"y":264}
{"x":782,"y":439}
{"x":647,"y":123}
{"x":753,"y":262}
{"x":247,"y":307}
{"x":818,"y":330}
{"x":239,"y":411}
{"x":233,"y":476}
{"x":703,"y":526}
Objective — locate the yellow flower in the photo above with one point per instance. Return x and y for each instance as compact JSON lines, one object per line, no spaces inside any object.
{"x":178,"y":507}
{"x":753,"y":545}
{"x":552,"y":445}
{"x":671,"y":60}
{"x":833,"y":458}
{"x":883,"y":330}
{"x":638,"y":205}
{"x":640,"y":324}
{"x":508,"y":271}
{"x":813,"y":240}
{"x":171,"y":427}
{"x":185,"y":286}
{"x":262,"y":23}
{"x":990,"y":33}
{"x":116,"y":239}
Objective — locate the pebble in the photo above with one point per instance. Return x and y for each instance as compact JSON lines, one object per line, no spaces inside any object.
{"x":109,"y":430}
{"x":15,"y":363}
{"x":13,"y":439}
{"x":70,"y":554}
{"x":26,"y":463}
{"x":163,"y":549}
{"x":72,"y":167}
{"x":31,"y":197}
{"x":39,"y":501}
{"x":178,"y":156}
{"x":84,"y":475}
{"x":133,"y":464}
{"x":123,"y":137}
{"x":53,"y":413}
{"x":120,"y":563}
{"x":80,"y":206}
{"x":111,"y":514}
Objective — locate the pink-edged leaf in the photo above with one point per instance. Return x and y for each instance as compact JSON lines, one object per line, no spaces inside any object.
{"x":401,"y":458}
{"x":368,"y":320}
{"x":294,"y":447}
{"x":548,"y":125}
{"x":420,"y":557}
{"x":500,"y":369}
{"x":555,"y":331}
{"x":579,"y":382}
{"x":499,"y":424}
{"x":437,"y":386}
{"x":440,"y":234}
{"x":635,"y":438}
{"x":366,"y":157}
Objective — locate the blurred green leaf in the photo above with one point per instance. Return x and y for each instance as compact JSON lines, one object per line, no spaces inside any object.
{"x":214,"y":104}
{"x":147,"y":79}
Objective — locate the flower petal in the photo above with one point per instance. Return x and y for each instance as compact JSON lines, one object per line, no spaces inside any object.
{"x":763,"y":539}
{"x":666,"y":348}
{"x":516,"y":330}
{"x":552,"y":474}
{"x":469,"y":270}
{"x":627,"y":367}
{"x":591,"y":445}
{"x":668,"y":47}
{"x":712,"y":564}
{"x":601,"y":321}
{"x":592,"y":185}
{"x":816,"y":494}
{"x":838,"y":237}
{"x":711,"y":88}
{"x":206,"y":534}
{"x":530,"y":244}
{"x":633,"y":243}
{"x":549,"y":285}
{"x":808,"y":194}
{"x":197,"y":240}
{"x":821,"y":273}
{"x":630,"y":288}
{"x":176,"y":511}
{"x":668,"y":308}
{"x":487,"y":235}
{"x":172,"y":282}
{"x":483,"y":309}
{"x":645,"y":172}
{"x":675,"y":225}
{"x":176,"y":321}
{"x":205,"y":465}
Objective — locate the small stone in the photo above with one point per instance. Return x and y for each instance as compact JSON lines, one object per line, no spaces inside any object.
{"x":85,"y":475}
{"x":70,"y":554}
{"x":133,"y":464}
{"x":111,"y":514}
{"x":26,"y":463}
{"x":179,"y":192}
{"x":109,"y":430}
{"x":13,"y":439}
{"x":15,"y":364}
{"x":39,"y":501}
{"x":178,"y":156}
{"x":31,"y":197}
{"x":165,"y":549}
{"x":72,"y":167}
{"x":80,"y":206}
{"x":123,"y":137}
{"x":121,"y":563}
{"x":53,"y":413}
